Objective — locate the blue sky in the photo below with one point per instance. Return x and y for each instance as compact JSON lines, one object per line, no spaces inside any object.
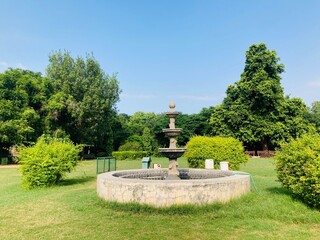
{"x":186,"y":51}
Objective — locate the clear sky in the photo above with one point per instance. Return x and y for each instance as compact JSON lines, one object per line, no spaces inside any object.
{"x":186,"y":51}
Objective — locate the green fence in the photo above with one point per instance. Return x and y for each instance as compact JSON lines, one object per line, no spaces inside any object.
{"x":106,"y":164}
{"x":4,"y":161}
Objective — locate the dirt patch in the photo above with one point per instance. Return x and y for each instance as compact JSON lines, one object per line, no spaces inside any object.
{"x":9,"y":166}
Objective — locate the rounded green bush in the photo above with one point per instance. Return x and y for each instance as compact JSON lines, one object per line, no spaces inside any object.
{"x":46,"y":162}
{"x":132,"y":155}
{"x":298,"y":168}
{"x":220,"y":149}
{"x":131,"y":146}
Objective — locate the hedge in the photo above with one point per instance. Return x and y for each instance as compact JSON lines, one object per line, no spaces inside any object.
{"x":132,"y":155}
{"x":220,"y":149}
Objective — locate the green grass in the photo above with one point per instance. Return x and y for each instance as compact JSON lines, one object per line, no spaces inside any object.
{"x":73,"y":211}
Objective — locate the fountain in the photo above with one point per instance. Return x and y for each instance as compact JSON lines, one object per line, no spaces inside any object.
{"x":173,"y":153}
{"x":172,"y":186}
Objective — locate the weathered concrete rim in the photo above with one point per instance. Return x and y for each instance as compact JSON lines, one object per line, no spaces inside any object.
{"x":164,"y":193}
{"x":211,"y":174}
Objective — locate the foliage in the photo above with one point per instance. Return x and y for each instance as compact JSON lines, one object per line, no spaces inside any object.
{"x":45,"y":163}
{"x":298,"y":167}
{"x":313,"y":114}
{"x":255,"y":110}
{"x":120,"y":130}
{"x":161,"y":123}
{"x":133,"y":155}
{"x":220,"y":149}
{"x":83,"y":104}
{"x":146,"y":129}
{"x":140,"y":120}
{"x":131,"y":146}
{"x":23,"y":94}
{"x":147,"y":141}
{"x":194,"y":124}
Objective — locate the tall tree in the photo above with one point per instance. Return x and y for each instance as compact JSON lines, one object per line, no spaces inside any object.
{"x":84,"y":103}
{"x":255,"y":110}
{"x":23,"y":94}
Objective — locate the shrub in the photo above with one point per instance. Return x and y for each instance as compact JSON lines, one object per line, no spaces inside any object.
{"x":132,"y":155}
{"x":46,"y":162}
{"x":220,"y":149}
{"x":298,"y":168}
{"x":131,"y":146}
{"x":102,"y":154}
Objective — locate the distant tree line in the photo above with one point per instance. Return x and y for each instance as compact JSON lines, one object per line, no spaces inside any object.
{"x":76,"y":99}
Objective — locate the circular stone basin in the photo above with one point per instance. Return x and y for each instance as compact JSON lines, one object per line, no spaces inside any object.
{"x":172,"y":153}
{"x":148,"y":186}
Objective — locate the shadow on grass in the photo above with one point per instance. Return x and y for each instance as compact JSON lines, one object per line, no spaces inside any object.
{"x":168,"y":211}
{"x":287,"y":192}
{"x":74,"y":181}
{"x":280,"y":191}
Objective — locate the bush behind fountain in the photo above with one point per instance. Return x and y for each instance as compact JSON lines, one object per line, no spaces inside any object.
{"x":220,"y":149}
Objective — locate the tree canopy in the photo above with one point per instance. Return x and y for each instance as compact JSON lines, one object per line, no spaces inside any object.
{"x":255,"y":109}
{"x":78,"y":99}
{"x":75,"y":99}
{"x":84,"y":100}
{"x":23,"y":94}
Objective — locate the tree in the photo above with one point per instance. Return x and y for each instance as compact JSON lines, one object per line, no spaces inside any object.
{"x":23,"y":95}
{"x":140,"y":120}
{"x":255,"y":110}
{"x":120,"y":130}
{"x":84,"y":100}
{"x":147,"y":141}
{"x":313,"y":114}
{"x":194,"y":124}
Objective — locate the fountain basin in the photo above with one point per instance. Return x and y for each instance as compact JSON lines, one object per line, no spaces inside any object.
{"x":198,"y":186}
{"x":175,"y":132}
{"x":172,"y":153}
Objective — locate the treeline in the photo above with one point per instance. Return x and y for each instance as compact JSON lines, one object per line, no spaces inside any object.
{"x":77,"y":100}
{"x":254,"y":111}
{"x":143,"y":131}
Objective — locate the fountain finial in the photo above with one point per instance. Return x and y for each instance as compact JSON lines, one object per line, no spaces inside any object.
{"x":172,"y":105}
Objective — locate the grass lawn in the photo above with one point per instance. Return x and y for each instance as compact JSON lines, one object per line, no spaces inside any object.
{"x":73,"y":211}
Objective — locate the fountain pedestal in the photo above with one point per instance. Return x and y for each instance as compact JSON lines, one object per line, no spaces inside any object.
{"x":173,"y":153}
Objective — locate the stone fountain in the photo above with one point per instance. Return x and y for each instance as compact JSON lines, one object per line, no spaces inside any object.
{"x":173,"y":153}
{"x":173,"y":186}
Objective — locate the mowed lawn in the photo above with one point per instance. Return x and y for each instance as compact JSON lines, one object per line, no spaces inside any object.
{"x":73,"y":211}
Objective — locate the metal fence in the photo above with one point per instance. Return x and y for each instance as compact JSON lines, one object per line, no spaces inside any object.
{"x":106,"y":164}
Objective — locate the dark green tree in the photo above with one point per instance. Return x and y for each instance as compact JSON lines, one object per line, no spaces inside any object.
{"x":23,"y":95}
{"x":84,"y":100}
{"x":194,"y":124}
{"x":120,"y":130}
{"x":255,"y":110}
